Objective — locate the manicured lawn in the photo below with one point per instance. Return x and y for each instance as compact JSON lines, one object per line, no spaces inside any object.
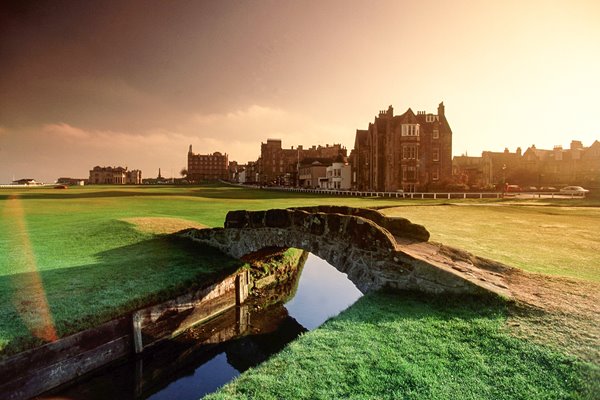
{"x":410,"y":346}
{"x":562,"y":241}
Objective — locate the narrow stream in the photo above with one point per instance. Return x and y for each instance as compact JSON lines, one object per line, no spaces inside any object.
{"x":182,"y":369}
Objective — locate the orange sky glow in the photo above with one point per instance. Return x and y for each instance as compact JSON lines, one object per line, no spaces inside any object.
{"x":135,"y":83}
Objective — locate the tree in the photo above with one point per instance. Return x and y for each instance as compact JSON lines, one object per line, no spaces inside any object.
{"x":183,"y":172}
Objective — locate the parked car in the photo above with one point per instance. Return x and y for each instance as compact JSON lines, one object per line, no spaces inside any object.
{"x":548,"y":189}
{"x":532,"y":189}
{"x":574,"y":190}
{"x":513,"y":188}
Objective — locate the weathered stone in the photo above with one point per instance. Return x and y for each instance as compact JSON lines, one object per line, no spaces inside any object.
{"x":334,"y":223}
{"x":236,"y":219}
{"x":402,"y":227}
{"x":257,"y":219}
{"x":299,"y":218}
{"x":278,"y":219}
{"x":317,"y":224}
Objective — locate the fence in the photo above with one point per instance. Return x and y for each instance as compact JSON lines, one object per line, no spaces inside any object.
{"x":430,"y":195}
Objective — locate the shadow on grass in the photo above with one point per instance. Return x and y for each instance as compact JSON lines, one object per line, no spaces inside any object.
{"x":122,"y":280}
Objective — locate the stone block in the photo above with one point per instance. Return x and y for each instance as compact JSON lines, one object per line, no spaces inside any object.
{"x":278,"y":219}
{"x":236,"y":219}
{"x":317,"y":224}
{"x":257,"y":219}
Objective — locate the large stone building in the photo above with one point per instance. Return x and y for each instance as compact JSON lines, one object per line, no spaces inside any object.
{"x":115,"y":176}
{"x":280,"y":166}
{"x":410,"y":152}
{"x":207,"y":167}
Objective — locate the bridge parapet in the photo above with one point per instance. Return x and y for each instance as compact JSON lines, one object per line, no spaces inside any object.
{"x":361,"y":232}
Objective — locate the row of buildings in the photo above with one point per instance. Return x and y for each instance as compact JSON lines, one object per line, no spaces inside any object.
{"x":317,"y":166}
{"x":560,"y":166}
{"x":409,"y":152}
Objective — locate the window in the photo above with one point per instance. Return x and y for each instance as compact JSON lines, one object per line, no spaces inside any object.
{"x":410,"y":152}
{"x":436,"y":154}
{"x":436,"y":134}
{"x":412,"y":173}
{"x":410,"y":130}
{"x":409,"y":173}
{"x":435,"y":174}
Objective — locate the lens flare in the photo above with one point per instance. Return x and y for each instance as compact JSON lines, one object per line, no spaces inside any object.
{"x":29,"y":297}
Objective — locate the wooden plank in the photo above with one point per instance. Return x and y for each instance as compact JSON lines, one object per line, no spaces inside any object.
{"x":69,"y":346}
{"x":40,"y":379}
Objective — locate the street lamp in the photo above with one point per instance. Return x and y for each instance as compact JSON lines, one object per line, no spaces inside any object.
{"x":503,"y":179}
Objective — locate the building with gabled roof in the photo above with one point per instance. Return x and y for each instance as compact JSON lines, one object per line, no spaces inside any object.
{"x":410,"y":152}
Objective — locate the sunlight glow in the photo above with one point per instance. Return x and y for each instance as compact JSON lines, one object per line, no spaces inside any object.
{"x":29,"y":297}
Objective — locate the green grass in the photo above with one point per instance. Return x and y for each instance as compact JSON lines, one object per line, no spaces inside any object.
{"x":75,"y":250}
{"x":555,"y":240}
{"x":408,"y":346}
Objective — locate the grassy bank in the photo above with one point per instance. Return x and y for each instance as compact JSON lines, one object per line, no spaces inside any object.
{"x":407,"y":346}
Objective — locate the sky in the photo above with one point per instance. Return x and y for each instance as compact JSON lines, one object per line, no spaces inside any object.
{"x":134,"y":83}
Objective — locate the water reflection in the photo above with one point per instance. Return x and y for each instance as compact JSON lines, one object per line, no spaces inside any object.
{"x":205,"y":379}
{"x":202,"y":359}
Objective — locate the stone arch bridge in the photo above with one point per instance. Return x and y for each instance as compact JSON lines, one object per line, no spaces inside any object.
{"x":374,"y":250}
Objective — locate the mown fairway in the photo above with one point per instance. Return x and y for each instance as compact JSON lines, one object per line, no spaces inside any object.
{"x":562,"y":241}
{"x":70,"y":259}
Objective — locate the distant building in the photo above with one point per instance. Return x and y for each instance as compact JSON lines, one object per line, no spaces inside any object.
{"x":501,"y":167}
{"x":115,"y":176}
{"x":339,"y":175}
{"x":207,"y":167}
{"x":311,"y":169}
{"x":250,"y":172}
{"x":471,"y":171}
{"x":71,"y":181}
{"x":410,"y":152}
{"x":25,"y":181}
{"x":280,"y":166}
{"x":577,"y":165}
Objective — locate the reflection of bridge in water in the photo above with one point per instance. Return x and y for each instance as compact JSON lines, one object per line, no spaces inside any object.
{"x":374,"y":250}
